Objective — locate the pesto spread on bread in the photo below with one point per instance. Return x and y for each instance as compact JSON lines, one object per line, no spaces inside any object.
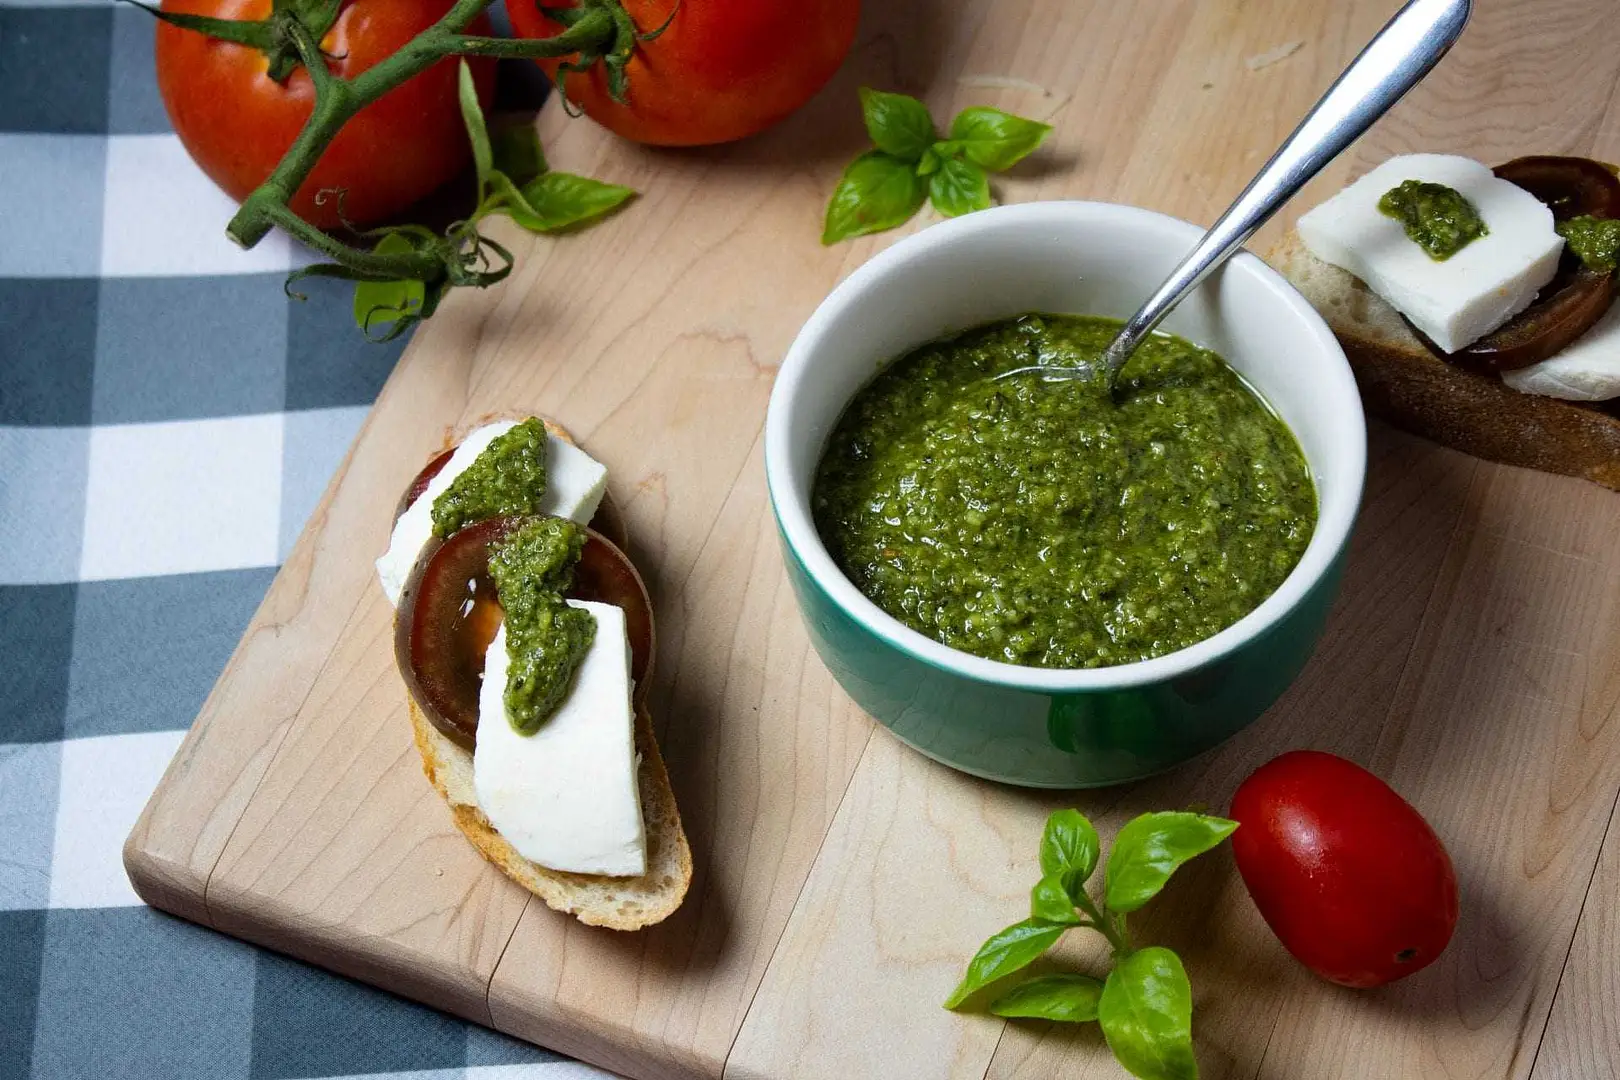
{"x":1505,"y":272}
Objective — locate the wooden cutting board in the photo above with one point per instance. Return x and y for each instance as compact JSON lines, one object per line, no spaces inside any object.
{"x":842,"y":881}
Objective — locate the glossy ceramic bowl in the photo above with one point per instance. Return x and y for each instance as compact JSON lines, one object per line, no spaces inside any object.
{"x":1034,"y":726}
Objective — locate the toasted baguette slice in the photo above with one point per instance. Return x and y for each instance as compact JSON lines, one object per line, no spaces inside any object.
{"x":612,"y":902}
{"x":616,"y":903}
{"x":1406,"y":384}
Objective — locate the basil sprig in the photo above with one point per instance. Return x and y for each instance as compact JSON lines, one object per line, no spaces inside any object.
{"x":513,"y":179}
{"x":883,"y":187}
{"x":1144,"y":1005}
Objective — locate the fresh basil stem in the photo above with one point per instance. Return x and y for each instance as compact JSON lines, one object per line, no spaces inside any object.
{"x":885,"y":186}
{"x":1144,"y":1005}
{"x":1105,"y":923}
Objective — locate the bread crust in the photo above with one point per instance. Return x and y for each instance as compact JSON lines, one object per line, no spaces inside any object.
{"x":596,"y":900}
{"x":1402,"y":382}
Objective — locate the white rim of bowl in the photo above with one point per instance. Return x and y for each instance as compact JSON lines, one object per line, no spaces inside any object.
{"x":1333,"y":525}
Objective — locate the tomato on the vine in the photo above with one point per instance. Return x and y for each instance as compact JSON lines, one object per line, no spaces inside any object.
{"x":1347,"y":874}
{"x":720,"y":70}
{"x":237,"y":122}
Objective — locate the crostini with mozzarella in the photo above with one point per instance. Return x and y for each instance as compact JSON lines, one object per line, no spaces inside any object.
{"x":1508,"y":348}
{"x":524,"y":636}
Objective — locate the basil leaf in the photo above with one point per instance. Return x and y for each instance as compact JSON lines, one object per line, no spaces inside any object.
{"x":1070,"y":998}
{"x":899,"y":125}
{"x":877,"y":191}
{"x":558,"y":200}
{"x":1005,"y":952}
{"x":1069,"y":848}
{"x":1049,"y":901}
{"x":959,"y":187}
{"x":472,"y":114}
{"x":1150,"y":848}
{"x":929,"y":162}
{"x":996,"y":140}
{"x":1146,"y":1016}
{"x":515,"y":149}
{"x":379,"y":302}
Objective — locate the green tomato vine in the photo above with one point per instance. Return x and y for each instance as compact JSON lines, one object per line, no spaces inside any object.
{"x":408,"y":269}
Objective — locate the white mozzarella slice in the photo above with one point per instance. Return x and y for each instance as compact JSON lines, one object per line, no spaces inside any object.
{"x":415,"y":526}
{"x":575,"y":483}
{"x":567,"y":797}
{"x":1455,"y":301}
{"x":1587,"y":370}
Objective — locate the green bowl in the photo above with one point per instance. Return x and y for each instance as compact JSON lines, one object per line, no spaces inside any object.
{"x":1035,"y":726}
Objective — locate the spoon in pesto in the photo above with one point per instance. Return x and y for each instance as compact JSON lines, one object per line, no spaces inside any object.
{"x":1405,"y":50}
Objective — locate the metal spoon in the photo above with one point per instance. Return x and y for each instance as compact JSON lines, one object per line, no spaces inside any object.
{"x":1404,"y":51}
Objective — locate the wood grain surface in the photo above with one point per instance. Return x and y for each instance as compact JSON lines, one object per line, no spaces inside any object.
{"x":842,"y":880}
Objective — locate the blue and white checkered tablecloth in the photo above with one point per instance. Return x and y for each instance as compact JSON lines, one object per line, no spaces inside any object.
{"x":168,"y":418}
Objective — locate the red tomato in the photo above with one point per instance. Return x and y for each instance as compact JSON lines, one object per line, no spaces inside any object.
{"x":1347,"y":874}
{"x":722,"y":70}
{"x":236,"y":122}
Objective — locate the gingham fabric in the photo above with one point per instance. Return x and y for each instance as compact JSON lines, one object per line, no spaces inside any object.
{"x":168,"y":418}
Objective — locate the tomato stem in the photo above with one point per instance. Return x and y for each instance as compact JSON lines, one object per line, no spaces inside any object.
{"x":595,"y":33}
{"x":309,"y":51}
{"x":591,"y":32}
{"x":414,"y":265}
{"x":336,"y":102}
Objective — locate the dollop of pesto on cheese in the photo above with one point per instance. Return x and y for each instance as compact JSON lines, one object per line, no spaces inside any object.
{"x":508,"y":478}
{"x":1595,"y":241}
{"x":1438,"y":219}
{"x":546,"y":640}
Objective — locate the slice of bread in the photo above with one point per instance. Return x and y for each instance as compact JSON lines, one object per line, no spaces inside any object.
{"x":612,"y":902}
{"x":1406,"y":384}
{"x":616,"y":903}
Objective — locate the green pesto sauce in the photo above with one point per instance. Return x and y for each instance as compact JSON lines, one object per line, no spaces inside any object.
{"x":1041,"y":523}
{"x":508,"y":477}
{"x":546,"y":640}
{"x":1436,"y":218}
{"x":1595,"y":241}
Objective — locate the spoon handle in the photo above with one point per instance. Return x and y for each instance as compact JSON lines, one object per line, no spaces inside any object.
{"x":1392,"y":63}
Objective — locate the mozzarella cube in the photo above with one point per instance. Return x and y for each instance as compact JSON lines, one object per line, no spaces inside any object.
{"x":567,"y":796}
{"x":1455,"y":301}
{"x":575,"y":482}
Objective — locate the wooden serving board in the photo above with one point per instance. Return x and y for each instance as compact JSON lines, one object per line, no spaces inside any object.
{"x":842,"y":881}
